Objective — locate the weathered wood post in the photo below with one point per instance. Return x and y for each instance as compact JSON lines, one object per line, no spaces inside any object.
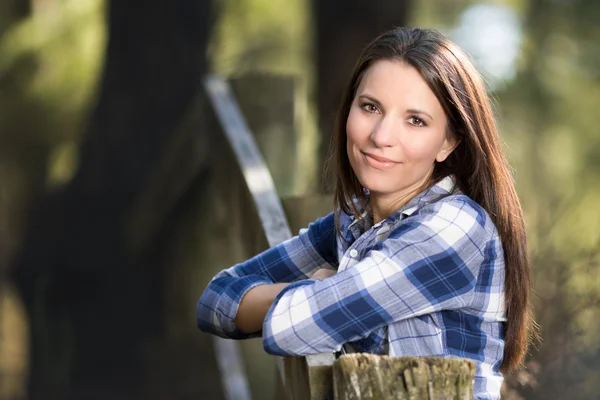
{"x":361,"y":376}
{"x":268,"y":104}
{"x":368,"y":376}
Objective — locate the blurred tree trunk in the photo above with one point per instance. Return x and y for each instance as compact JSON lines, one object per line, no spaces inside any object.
{"x":343,"y":30}
{"x":12,"y":11}
{"x":89,"y":305}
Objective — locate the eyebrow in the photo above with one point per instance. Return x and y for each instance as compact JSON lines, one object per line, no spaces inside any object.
{"x":371,"y":99}
{"x":410,"y":111}
{"x":421,"y":112}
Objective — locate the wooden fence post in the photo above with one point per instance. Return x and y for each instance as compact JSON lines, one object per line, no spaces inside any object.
{"x":368,"y":376}
{"x":362,"y":376}
{"x":268,"y":104}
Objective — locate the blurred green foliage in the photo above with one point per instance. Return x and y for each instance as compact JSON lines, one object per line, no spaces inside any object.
{"x":275,"y":37}
{"x":49,"y":66}
{"x":261,"y":35}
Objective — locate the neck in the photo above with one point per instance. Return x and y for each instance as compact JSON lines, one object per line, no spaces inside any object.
{"x":385,"y":204}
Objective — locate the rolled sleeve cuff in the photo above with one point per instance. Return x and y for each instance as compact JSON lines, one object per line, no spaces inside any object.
{"x":269,"y":340}
{"x":229,"y":291}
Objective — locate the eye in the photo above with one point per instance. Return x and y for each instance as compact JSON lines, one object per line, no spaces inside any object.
{"x":370,"y":108}
{"x":416,"y":121}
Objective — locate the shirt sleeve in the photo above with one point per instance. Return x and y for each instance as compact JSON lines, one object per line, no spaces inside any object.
{"x":430,"y":262}
{"x":293,"y":260}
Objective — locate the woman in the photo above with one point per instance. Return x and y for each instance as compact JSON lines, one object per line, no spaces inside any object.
{"x":425,"y":254}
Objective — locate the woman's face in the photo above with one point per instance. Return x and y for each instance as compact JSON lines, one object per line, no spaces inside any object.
{"x":396,"y":129}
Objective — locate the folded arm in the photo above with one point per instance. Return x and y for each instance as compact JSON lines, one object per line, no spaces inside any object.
{"x":256,"y":302}
{"x":430,"y":262}
{"x":240,"y":294}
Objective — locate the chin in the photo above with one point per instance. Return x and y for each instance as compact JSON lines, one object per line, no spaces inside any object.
{"x":377,"y":184}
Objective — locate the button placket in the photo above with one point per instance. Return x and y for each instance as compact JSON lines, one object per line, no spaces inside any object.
{"x":354,"y":253}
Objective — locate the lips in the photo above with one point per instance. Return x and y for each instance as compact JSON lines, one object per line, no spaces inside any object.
{"x":380,"y":159}
{"x":379,"y":162}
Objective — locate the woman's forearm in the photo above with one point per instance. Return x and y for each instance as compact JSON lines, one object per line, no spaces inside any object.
{"x":254,"y":306}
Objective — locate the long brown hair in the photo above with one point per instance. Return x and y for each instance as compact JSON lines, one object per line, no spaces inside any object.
{"x":478,"y":162}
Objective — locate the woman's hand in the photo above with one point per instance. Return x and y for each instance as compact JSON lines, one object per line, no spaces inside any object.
{"x":323,"y":273}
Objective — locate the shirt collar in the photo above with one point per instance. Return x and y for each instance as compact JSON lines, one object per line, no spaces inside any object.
{"x":443,"y":188}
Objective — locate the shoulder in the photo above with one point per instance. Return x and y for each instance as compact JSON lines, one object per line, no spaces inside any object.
{"x":453,"y":217}
{"x":320,"y":235}
{"x":324,"y":221}
{"x":322,"y":229}
{"x":461,"y":208}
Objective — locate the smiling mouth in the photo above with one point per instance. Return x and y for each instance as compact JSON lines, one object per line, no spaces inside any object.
{"x":379,"y":162}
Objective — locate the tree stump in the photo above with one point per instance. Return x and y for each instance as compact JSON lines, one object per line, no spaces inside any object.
{"x":368,"y":376}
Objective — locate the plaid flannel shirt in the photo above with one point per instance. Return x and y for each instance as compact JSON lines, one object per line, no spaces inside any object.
{"x":426,"y":281}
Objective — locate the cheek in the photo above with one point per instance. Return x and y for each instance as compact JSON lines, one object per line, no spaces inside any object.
{"x":352,"y":136}
{"x":355,"y":139}
{"x":357,"y":127}
{"x":422,"y":148}
{"x":352,"y":151}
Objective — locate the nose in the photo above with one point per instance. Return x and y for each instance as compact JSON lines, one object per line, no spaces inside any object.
{"x":384,"y":133}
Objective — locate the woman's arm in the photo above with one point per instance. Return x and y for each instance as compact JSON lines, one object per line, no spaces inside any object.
{"x":430,"y":262}
{"x":219,"y":309}
{"x":256,"y":303}
{"x":254,"y":306}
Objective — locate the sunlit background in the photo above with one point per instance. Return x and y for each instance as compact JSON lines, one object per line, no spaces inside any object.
{"x":540,"y":59}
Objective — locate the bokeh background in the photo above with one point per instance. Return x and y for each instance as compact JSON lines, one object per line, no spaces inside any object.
{"x":105,"y":170}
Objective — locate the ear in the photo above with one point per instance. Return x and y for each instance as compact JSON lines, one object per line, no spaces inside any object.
{"x":448,"y":147}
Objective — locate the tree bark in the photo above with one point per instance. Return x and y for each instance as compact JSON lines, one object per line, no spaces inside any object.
{"x":343,"y":30}
{"x":89,"y":305}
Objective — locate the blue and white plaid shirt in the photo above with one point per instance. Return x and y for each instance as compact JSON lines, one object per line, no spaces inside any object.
{"x":426,"y":281}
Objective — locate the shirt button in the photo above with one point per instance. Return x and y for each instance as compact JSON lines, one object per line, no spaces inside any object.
{"x":353,"y":253}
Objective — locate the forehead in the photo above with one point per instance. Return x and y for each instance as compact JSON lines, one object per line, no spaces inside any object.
{"x":395,"y":82}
